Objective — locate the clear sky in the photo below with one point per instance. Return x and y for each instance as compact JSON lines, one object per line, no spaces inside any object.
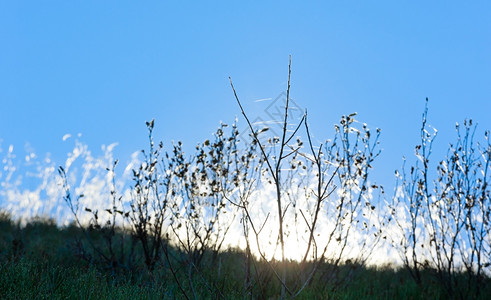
{"x":103,"y":68}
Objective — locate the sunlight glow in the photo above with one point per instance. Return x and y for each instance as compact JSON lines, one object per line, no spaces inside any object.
{"x":88,"y":175}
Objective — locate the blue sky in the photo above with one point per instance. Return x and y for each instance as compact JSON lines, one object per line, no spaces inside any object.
{"x":104,"y":68}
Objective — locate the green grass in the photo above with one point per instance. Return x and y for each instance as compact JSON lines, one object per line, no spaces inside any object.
{"x":38,"y":261}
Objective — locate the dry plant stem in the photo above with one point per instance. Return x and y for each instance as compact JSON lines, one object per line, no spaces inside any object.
{"x":150,"y":198}
{"x":275,"y":172}
{"x":190,"y":280}
{"x":316,"y":262}
{"x":174,"y":274}
{"x":277,"y":182}
{"x":215,"y":290}
{"x":109,"y":255}
{"x":353,"y":160}
{"x":455,"y":214}
{"x":321,"y":191}
{"x":74,"y":210}
{"x":261,"y":147}
{"x":261,"y":253}
{"x":256,"y":234}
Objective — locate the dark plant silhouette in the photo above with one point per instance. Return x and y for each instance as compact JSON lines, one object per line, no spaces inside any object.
{"x":113,"y":253}
{"x":181,"y":209}
{"x":448,"y":216}
{"x":317,"y":171}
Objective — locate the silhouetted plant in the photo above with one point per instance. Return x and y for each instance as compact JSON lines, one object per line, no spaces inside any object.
{"x":202,"y":216}
{"x":180,"y":210}
{"x":314,"y":170}
{"x":150,"y":198}
{"x":112,"y":253}
{"x":352,"y":209}
{"x":449,"y":219}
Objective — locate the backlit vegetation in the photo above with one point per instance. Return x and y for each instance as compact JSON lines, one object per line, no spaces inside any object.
{"x":308,"y":216}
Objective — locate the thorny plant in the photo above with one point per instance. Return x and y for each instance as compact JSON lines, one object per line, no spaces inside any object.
{"x":446,"y":226}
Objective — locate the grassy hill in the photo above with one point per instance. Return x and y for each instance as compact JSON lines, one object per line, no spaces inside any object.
{"x":43,"y":261}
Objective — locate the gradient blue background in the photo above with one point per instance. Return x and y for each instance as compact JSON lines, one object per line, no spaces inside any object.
{"x":103,"y":68}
